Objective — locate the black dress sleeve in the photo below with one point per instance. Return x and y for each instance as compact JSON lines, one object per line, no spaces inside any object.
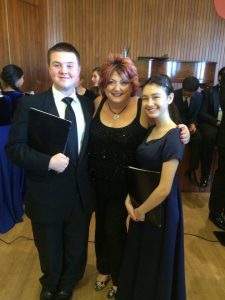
{"x":173,"y":148}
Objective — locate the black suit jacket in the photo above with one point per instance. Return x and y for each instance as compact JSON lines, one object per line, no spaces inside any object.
{"x":50,"y":196}
{"x":210,"y":105}
{"x":221,"y":134}
{"x":194,"y":107}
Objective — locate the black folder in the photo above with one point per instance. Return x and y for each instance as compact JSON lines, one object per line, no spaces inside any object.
{"x":141,"y":184}
{"x":47,"y":133}
{"x":220,"y":236}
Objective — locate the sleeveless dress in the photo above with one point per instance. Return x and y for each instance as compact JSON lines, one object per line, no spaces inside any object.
{"x":11,"y":176}
{"x":153,"y":265}
{"x":110,"y":150}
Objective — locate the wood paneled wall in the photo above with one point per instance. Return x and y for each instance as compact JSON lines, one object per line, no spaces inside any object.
{"x":23,"y":35}
{"x":4,"y":47}
{"x":185,"y":30}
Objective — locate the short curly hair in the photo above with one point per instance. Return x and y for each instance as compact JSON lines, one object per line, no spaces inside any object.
{"x":123,"y":66}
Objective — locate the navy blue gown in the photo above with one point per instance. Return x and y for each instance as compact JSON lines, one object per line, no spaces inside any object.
{"x":11,"y":176}
{"x":153,"y":264}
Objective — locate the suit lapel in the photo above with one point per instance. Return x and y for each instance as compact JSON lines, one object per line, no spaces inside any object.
{"x":216,"y":103}
{"x":49,"y":103}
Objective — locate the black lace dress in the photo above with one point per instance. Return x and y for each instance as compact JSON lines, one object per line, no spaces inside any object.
{"x":110,"y":150}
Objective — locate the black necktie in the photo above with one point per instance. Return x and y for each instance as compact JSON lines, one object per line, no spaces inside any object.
{"x":72,"y":143}
{"x":186,"y":107}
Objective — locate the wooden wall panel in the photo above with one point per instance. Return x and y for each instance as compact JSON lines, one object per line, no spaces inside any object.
{"x":26,"y":41}
{"x":23,"y":26}
{"x":4,"y":51}
{"x":185,"y":30}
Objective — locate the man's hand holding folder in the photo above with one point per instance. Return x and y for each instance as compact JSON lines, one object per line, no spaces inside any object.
{"x":48,"y":134}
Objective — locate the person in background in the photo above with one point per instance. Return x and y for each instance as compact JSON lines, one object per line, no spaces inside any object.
{"x":118,"y":127}
{"x":95,"y":80}
{"x":94,"y":92}
{"x":153,"y":264}
{"x":217,"y":196}
{"x":209,"y":123}
{"x":12,"y":79}
{"x":12,"y":183}
{"x":82,"y":91}
{"x":188,"y":101}
{"x":59,"y":198}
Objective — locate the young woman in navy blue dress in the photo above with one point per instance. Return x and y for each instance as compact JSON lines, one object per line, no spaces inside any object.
{"x":11,"y":176}
{"x":153,"y":265}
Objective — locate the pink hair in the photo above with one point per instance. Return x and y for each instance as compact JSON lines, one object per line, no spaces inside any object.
{"x":123,"y":66}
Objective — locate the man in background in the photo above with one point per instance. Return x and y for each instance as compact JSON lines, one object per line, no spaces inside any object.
{"x":188,"y":101}
{"x":217,"y":196}
{"x":209,"y":123}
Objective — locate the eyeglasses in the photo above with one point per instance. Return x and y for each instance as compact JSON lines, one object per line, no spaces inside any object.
{"x":122,"y":83}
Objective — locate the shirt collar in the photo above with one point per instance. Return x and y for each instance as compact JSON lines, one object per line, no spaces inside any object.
{"x":186,"y":98}
{"x":58,"y":96}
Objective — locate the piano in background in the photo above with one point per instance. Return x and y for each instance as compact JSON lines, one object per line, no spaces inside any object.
{"x":177,"y":70}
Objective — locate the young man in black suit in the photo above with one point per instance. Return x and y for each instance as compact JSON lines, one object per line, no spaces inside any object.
{"x":209,"y":124}
{"x":188,"y":101}
{"x":59,"y":199}
{"x":217,"y":196}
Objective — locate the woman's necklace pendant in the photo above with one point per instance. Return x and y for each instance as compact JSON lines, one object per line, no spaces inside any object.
{"x":116,"y":116}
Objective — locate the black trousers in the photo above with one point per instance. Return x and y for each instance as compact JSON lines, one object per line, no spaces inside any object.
{"x":111,"y":230}
{"x":195,"y":150}
{"x":62,"y":249}
{"x":209,"y":137}
{"x":217,"y":196}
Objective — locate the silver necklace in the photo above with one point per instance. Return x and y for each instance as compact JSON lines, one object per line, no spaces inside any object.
{"x":116,"y":115}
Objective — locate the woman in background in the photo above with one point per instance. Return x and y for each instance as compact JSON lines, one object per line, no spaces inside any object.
{"x":95,"y":80}
{"x":94,"y":92}
{"x":11,"y":176}
{"x":153,"y":265}
{"x":12,"y":79}
{"x":118,"y":127}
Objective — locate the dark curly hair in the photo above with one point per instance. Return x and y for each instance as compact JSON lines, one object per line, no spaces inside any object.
{"x":10,"y":74}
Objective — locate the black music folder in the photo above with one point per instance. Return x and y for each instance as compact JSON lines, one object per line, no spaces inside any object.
{"x":47,"y":133}
{"x":141,"y":184}
{"x":220,"y":236}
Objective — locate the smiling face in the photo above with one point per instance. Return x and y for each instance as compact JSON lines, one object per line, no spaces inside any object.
{"x":64,"y":71}
{"x":156,"y":101}
{"x":118,"y":89}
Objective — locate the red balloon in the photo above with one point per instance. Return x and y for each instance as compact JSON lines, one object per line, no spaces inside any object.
{"x":220,"y":7}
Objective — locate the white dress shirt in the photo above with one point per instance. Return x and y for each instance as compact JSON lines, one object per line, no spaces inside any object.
{"x":188,"y":99}
{"x":61,"y":107}
{"x":220,"y":114}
